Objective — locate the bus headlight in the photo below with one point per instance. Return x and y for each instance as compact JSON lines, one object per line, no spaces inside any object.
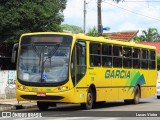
{"x":23,"y":88}
{"x":63,"y":88}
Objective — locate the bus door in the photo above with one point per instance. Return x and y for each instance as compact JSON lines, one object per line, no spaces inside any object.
{"x":78,"y":64}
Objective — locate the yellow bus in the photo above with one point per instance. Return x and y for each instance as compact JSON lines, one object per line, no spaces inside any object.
{"x":73,"y":68}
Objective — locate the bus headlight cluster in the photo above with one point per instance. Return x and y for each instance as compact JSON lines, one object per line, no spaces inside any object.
{"x":23,"y":88}
{"x":63,"y":88}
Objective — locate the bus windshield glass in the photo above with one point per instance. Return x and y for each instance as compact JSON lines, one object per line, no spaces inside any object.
{"x":44,"y":58}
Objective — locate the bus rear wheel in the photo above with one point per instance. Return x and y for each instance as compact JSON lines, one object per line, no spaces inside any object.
{"x":89,"y":103}
{"x":136,"y":95}
{"x":136,"y":98}
{"x":42,"y":105}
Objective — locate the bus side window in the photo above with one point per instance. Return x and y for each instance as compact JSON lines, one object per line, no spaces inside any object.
{"x":95,"y":54}
{"x":136,"y":58}
{"x":152,"y":61}
{"x":127,"y":57}
{"x":144,"y":58}
{"x":106,"y":55}
{"x":117,"y":56}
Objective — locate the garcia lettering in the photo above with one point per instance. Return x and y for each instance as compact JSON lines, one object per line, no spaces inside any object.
{"x":117,"y":74}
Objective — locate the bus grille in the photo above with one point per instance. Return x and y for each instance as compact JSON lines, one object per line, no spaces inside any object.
{"x":34,"y":97}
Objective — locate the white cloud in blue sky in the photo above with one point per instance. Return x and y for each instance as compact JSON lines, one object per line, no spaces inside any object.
{"x":114,"y":15}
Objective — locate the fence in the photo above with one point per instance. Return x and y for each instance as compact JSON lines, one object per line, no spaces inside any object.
{"x":7,"y":84}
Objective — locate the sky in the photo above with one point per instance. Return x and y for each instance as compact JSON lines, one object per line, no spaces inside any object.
{"x":125,"y":16}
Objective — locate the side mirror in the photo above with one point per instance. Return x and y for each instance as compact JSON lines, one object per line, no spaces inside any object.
{"x":14,"y":53}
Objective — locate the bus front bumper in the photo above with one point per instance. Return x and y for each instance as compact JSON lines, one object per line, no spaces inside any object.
{"x":69,"y":96}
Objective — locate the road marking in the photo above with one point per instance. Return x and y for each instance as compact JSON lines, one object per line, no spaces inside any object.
{"x":86,"y":118}
{"x":21,"y":118}
{"x":136,"y":107}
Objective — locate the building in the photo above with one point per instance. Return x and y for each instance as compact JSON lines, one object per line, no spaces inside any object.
{"x":126,"y":36}
{"x":156,"y":44}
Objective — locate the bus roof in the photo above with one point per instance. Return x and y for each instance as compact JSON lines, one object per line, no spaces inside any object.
{"x":111,"y":41}
{"x":95,"y":39}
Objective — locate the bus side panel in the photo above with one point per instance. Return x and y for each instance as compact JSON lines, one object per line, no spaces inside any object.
{"x":145,"y":92}
{"x":126,"y":93}
{"x":153,"y":81}
{"x":149,"y":88}
{"x":96,"y":76}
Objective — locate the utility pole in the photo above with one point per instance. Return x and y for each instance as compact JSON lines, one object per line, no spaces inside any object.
{"x":99,"y":18}
{"x":85,"y":11}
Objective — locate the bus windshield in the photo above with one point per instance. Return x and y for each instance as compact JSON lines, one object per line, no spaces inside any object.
{"x":44,"y":59}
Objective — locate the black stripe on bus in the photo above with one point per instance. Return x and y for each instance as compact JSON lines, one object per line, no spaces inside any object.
{"x":113,"y":87}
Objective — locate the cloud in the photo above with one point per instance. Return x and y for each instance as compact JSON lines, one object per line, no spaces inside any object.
{"x":121,"y":16}
{"x":127,"y":26}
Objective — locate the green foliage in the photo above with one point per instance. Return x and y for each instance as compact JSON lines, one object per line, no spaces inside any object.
{"x":158,"y":62}
{"x":21,"y":16}
{"x":93,"y":32}
{"x":138,"y":39}
{"x":150,"y":35}
{"x":71,"y":28}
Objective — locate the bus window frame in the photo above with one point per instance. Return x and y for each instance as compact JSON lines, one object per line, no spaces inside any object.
{"x":130,"y":58}
{"x":144,"y":59}
{"x":97,"y":55}
{"x":120,"y":56}
{"x":136,"y":58}
{"x":109,"y":63}
{"x":152,"y":60}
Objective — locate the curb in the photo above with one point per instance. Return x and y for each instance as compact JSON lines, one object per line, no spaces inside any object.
{"x":15,"y":107}
{"x":7,"y":107}
{"x":28,"y":106}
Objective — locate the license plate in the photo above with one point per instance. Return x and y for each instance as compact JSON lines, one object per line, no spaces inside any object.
{"x":41,"y":94}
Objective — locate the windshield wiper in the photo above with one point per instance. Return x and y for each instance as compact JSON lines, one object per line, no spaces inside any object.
{"x":52,"y":52}
{"x":50,"y":56}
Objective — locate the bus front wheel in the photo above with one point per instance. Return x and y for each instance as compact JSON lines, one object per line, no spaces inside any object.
{"x":89,"y":103}
{"x":42,"y":105}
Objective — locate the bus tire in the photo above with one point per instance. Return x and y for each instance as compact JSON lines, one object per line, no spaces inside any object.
{"x":158,"y":97}
{"x":99,"y":104}
{"x":127,"y":101}
{"x":136,"y":95}
{"x":89,"y":103}
{"x":42,"y":105}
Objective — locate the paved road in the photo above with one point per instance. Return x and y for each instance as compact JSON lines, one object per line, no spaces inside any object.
{"x":149,"y":107}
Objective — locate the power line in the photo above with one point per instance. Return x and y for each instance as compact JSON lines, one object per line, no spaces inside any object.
{"x":142,"y":1}
{"x":137,"y":1}
{"x":133,"y":12}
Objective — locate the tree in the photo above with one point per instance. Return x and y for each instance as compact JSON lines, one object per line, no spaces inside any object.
{"x":21,"y":16}
{"x":158,"y":62}
{"x":157,"y":37}
{"x":93,"y":32}
{"x":71,"y":28}
{"x":138,"y":39}
{"x":149,"y":35}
